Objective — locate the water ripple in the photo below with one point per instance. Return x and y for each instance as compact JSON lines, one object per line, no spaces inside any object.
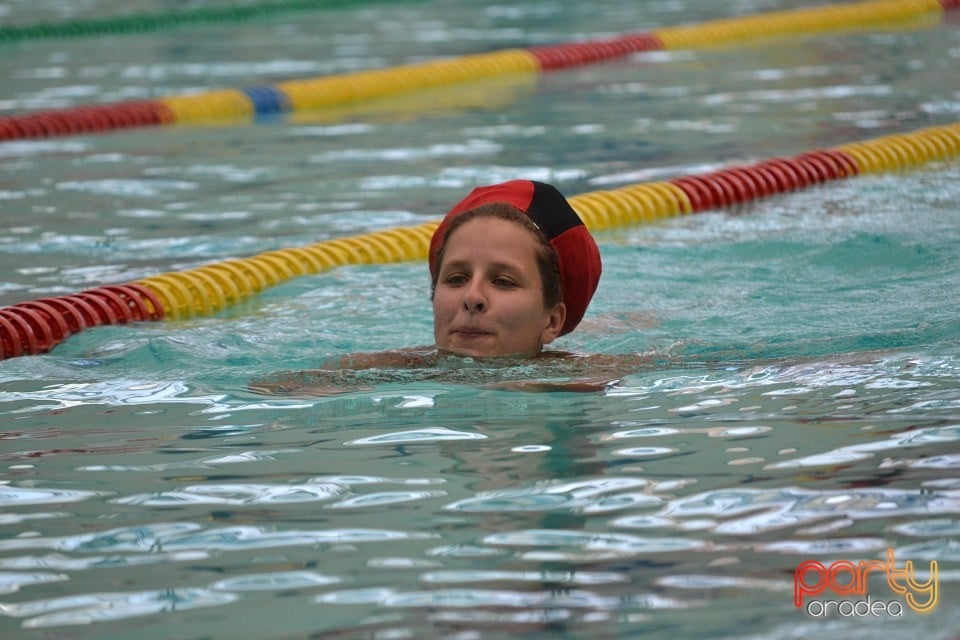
{"x":114,"y":392}
{"x":752,"y":511}
{"x":429,"y":434}
{"x":942,"y":550}
{"x":936,"y":527}
{"x":789,"y":380}
{"x":117,"y":187}
{"x":18,"y":496}
{"x":98,"y":607}
{"x":18,"y":518}
{"x":145,"y":538}
{"x":950,"y":461}
{"x":385,"y":497}
{"x":405,"y":154}
{"x":535,"y":617}
{"x":11,"y":582}
{"x":34,"y":148}
{"x":561,"y":577}
{"x":237,"y":538}
{"x":826,"y":547}
{"x":83,"y":563}
{"x":646,"y":452}
{"x":274,"y":581}
{"x":584,"y":495}
{"x":907,"y":439}
{"x":463,"y":551}
{"x":359,"y":480}
{"x":598,"y":545}
{"x":184,"y":536}
{"x":646,"y":432}
{"x":702,"y":581}
{"x":468,"y":598}
{"x":236,"y":494}
{"x":199,"y":463}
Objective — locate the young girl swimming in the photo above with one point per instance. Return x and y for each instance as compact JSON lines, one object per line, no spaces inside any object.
{"x":512,"y":268}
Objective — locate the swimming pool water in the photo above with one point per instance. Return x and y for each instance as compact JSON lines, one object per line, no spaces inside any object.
{"x":804,"y":402}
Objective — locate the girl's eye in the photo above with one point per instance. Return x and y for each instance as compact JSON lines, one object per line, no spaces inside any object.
{"x":455,"y":278}
{"x":504,"y":282}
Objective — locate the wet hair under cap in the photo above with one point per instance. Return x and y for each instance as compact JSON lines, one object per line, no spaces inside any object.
{"x":578,"y":257}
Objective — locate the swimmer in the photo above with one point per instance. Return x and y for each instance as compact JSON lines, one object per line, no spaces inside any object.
{"x":512,"y":268}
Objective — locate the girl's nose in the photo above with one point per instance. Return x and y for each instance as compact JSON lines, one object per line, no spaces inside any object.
{"x":473,"y":306}
{"x":473,"y":299}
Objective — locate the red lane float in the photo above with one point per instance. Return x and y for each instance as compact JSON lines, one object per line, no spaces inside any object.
{"x":736,"y":185}
{"x":86,"y":119}
{"x":33,"y":327}
{"x":551,"y":57}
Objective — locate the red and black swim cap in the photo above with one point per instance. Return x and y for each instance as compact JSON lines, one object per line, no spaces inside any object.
{"x":577,"y":252}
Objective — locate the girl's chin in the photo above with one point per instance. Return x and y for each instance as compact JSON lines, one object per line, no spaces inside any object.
{"x":466,"y":352}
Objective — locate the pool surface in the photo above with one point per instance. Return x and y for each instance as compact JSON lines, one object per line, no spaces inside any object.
{"x":802,"y":401}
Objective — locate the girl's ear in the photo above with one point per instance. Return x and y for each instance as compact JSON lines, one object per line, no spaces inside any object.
{"x":555,"y":320}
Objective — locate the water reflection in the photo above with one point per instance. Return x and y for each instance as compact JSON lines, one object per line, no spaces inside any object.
{"x":624,"y":508}
{"x":180,"y":537}
{"x":100,"y":607}
{"x":754,"y":511}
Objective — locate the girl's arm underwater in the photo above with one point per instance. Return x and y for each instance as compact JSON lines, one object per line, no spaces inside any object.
{"x":551,"y":371}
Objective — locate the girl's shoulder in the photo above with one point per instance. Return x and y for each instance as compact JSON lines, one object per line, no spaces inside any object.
{"x":550,"y":371}
{"x":411,"y":358}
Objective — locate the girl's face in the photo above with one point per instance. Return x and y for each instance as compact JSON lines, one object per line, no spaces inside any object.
{"x":489,"y":295}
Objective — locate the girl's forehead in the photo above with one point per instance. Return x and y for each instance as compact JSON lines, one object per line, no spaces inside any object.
{"x":490,"y":235}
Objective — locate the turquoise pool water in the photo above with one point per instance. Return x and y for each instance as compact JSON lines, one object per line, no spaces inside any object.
{"x":809,"y":407}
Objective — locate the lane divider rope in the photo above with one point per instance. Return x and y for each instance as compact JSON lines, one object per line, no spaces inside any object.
{"x":37,"y":326}
{"x":246,"y":104}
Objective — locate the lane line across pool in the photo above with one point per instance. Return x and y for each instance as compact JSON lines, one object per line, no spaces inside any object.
{"x":246,"y":104}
